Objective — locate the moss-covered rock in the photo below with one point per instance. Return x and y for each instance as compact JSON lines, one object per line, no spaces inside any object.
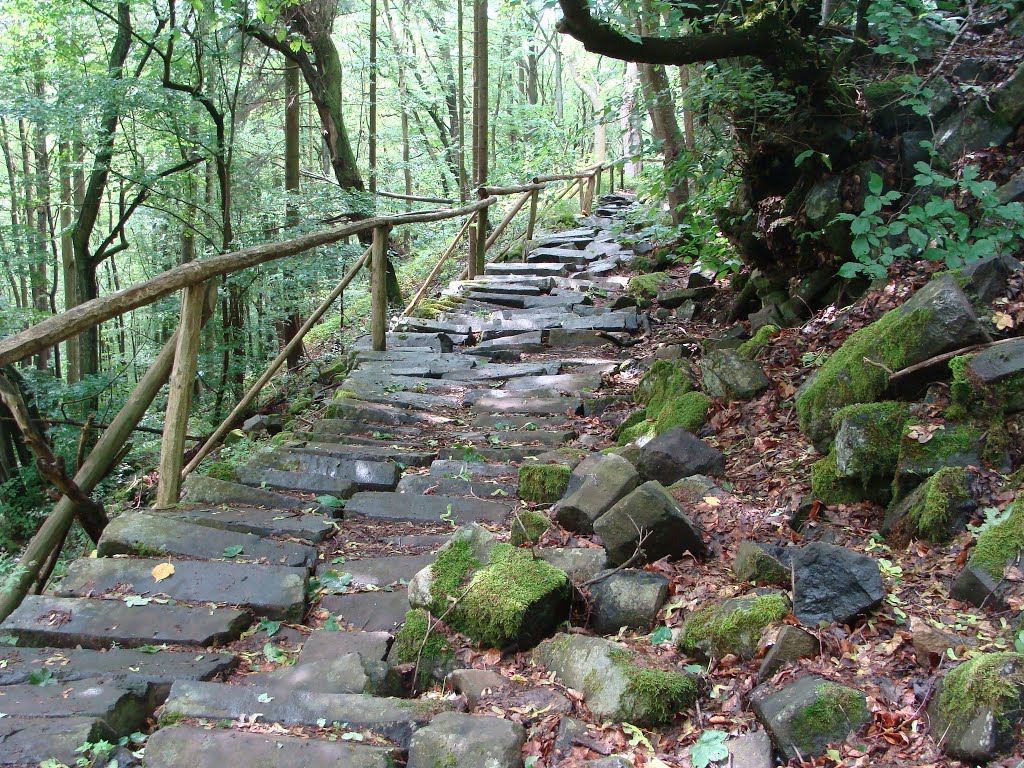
{"x":978,"y":710}
{"x":992,"y":379}
{"x":223,"y":470}
{"x":999,"y":545}
{"x":762,"y":564}
{"x":830,"y":487}
{"x":635,"y":426}
{"x":647,"y":286}
{"x":666,"y":379}
{"x":936,"y":510}
{"x":926,"y":448}
{"x":689,"y":411}
{"x":413,"y":644}
{"x":867,"y":444}
{"x":939,"y":317}
{"x":753,"y":346}
{"x":527,"y":527}
{"x":543,"y":483}
{"x":732,"y":626}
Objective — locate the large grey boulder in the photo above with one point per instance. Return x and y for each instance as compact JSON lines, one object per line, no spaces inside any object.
{"x":467,"y":741}
{"x":806,"y":716}
{"x":728,"y":375}
{"x":595,"y":485}
{"x":612,"y":684}
{"x":481,"y":543}
{"x":627,"y":599}
{"x":676,"y":454}
{"x":651,"y":520}
{"x":833,"y":584}
{"x":989,"y":277}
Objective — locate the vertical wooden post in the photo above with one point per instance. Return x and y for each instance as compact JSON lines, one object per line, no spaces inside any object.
{"x":591,"y":186}
{"x":597,"y":174}
{"x":622,"y":176}
{"x":532,"y":222}
{"x":583,"y":194}
{"x":183,"y":376}
{"x":379,"y":288}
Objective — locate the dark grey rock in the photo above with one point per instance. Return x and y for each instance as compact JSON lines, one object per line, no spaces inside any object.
{"x":784,"y":715}
{"x":989,"y":277}
{"x":33,"y":740}
{"x":676,"y":454}
{"x":978,"y":586}
{"x":1002,"y":367}
{"x":380,"y":571}
{"x":791,"y":644}
{"x":595,"y":485}
{"x":833,"y":584}
{"x":406,"y":507}
{"x":376,"y":611}
{"x":751,"y":750}
{"x":322,"y":645}
{"x":627,"y":598}
{"x":399,"y":454}
{"x":270,"y":423}
{"x":351,"y":673}
{"x":121,"y":710}
{"x":569,"y":730}
{"x":467,"y":741}
{"x":185,"y":746}
{"x":649,"y":512}
{"x":90,"y":623}
{"x":200,"y":489}
{"x":261,"y":522}
{"x":474,"y":683}
{"x":304,"y":482}
{"x":763,"y":564}
{"x":730,"y":376}
{"x":579,"y":563}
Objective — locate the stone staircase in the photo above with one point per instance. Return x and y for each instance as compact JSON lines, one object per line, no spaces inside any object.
{"x":181,"y":613}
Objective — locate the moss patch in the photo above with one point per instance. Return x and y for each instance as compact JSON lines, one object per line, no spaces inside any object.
{"x":654,"y":695}
{"x":846,"y":378}
{"x":999,"y":544}
{"x":829,"y":717}
{"x":528,"y":527}
{"x":223,"y":470}
{"x":453,"y":564}
{"x":989,"y":681}
{"x":516,"y":597}
{"x":647,"y":286}
{"x":410,"y":638}
{"x":753,"y":346}
{"x":732,"y":626}
{"x":663,"y":382}
{"x":431,"y":308}
{"x":543,"y":483}
{"x":880,"y":425}
{"x":635,"y":427}
{"x":689,"y":411}
{"x":827,"y":485}
{"x":931,"y":519}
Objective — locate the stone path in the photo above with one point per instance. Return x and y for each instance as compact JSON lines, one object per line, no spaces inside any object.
{"x":179,"y":608}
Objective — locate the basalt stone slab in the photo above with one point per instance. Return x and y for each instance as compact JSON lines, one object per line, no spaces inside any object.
{"x":70,"y":621}
{"x":477,"y":395}
{"x":834,"y":584}
{"x":200,"y":489}
{"x":32,"y":741}
{"x":322,"y":645}
{"x":497,"y":329}
{"x":515,"y":300}
{"x":368,"y":475}
{"x":579,"y":563}
{"x":552,"y":255}
{"x":188,"y":747}
{"x":272,"y":591}
{"x":133,"y":670}
{"x":628,"y":598}
{"x":413,"y":401}
{"x":381,"y":571}
{"x":120,"y":709}
{"x":535,"y":270}
{"x":571,"y":338}
{"x":596,"y":484}
{"x":346,"y":430}
{"x":425,"y":325}
{"x":610,"y":321}
{"x":566,"y":383}
{"x":350,"y":673}
{"x":511,"y":421}
{"x":475,"y":469}
{"x":498,"y":371}
{"x":261,"y":522}
{"x":676,"y":454}
{"x":397,"y":454}
{"x":511,"y":454}
{"x":376,"y":611}
{"x":395,"y":719}
{"x":401,"y":506}
{"x":145,"y":534}
{"x":531,"y":341}
{"x":467,"y":741}
{"x":503,"y":289}
{"x":502,"y":438}
{"x":378,"y":413}
{"x":432,"y":342}
{"x":456,"y":486}
{"x":541,"y":406}
{"x":304,"y":482}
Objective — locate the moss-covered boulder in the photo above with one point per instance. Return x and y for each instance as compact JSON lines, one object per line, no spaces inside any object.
{"x":614,"y":684}
{"x":729,"y":375}
{"x":993,"y":378}
{"x":978,"y":709}
{"x":982,"y":582}
{"x":543,"y":483}
{"x":753,"y":346}
{"x":926,"y":447}
{"x":936,"y":510}
{"x":832,"y":488}
{"x":647,"y":286}
{"x":806,"y":716}
{"x":527,"y":527}
{"x":666,"y":379}
{"x":689,"y":411}
{"x":416,"y":643}
{"x":938,"y":318}
{"x":762,"y":564}
{"x":867,"y":444}
{"x":636,"y":427}
{"x":468,"y":549}
{"x":732,"y":626}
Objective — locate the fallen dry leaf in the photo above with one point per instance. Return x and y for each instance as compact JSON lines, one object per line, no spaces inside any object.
{"x":162,"y":571}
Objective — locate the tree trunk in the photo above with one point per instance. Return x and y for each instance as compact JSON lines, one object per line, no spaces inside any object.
{"x":292,"y":154}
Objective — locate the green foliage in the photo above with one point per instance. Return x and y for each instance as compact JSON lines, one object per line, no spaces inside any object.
{"x":543,"y":483}
{"x":689,"y":411}
{"x":709,"y":748}
{"x":930,"y":519}
{"x":453,"y":564}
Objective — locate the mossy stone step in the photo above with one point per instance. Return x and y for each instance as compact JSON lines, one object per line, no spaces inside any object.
{"x":271,"y":591}
{"x":411,"y":508}
{"x":501,"y":438}
{"x":193,"y":747}
{"x":378,"y":413}
{"x":139,"y":533}
{"x":365,"y":475}
{"x":201,"y":489}
{"x":395,"y":719}
{"x":260,"y":522}
{"x":564,"y":383}
{"x":67,"y":622}
{"x":132,"y":669}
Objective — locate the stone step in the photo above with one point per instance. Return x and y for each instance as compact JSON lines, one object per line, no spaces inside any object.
{"x":271,"y":591}
{"x":376,"y":611}
{"x":452,"y":486}
{"x":520,"y":343}
{"x":374,"y":379}
{"x":421,"y":325}
{"x":516,"y":300}
{"x":411,"y":401}
{"x":135,"y":670}
{"x":475,"y":469}
{"x":353,"y":428}
{"x":433,"y":363}
{"x":380,"y":571}
{"x":511,"y":455}
{"x":500,"y":371}
{"x":322,"y":645}
{"x":565,"y":383}
{"x":535,"y":270}
{"x":516,"y":422}
{"x":304,"y":482}
{"x":394,"y":719}
{"x":139,"y":533}
{"x":377,"y":413}
{"x":200,"y":489}
{"x":575,"y":338}
{"x":610,"y":321}
{"x":66,"y":622}
{"x":121,"y":709}
{"x":363,"y":475}
{"x":184,"y":746}
{"x":282,"y":523}
{"x":541,"y":406}
{"x":33,"y":741}
{"x":421,"y":342}
{"x":433,"y":509}
{"x":373,"y":453}
{"x":506,"y":438}
{"x":554,"y":255}
{"x":470,"y":287}
{"x":497,"y":329}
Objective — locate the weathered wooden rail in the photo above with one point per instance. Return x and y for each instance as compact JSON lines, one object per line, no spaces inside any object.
{"x":177,"y":361}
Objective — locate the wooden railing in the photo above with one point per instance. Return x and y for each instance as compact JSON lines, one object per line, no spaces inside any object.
{"x":178,"y":358}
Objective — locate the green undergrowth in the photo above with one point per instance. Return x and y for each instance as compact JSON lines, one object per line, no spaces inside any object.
{"x":410,"y":639}
{"x":453,"y":564}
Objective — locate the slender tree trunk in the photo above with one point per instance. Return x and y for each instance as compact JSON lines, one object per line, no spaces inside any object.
{"x":461,"y":32}
{"x":628,"y":121}
{"x":67,"y":253}
{"x":292,"y":155}
{"x":12,"y":180}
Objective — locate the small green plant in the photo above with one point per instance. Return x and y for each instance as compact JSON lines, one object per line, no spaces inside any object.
{"x":709,"y":748}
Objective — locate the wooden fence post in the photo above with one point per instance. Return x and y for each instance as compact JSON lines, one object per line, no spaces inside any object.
{"x":531,"y":224}
{"x":378,"y":288}
{"x":478,"y":243}
{"x":183,"y":376}
{"x":598,"y":174}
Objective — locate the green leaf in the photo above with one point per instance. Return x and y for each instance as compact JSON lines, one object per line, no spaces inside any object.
{"x":334,"y":583}
{"x":8,"y":640}
{"x":531,"y":761}
{"x":875,"y":185}
{"x":41,"y":677}
{"x":331,"y":501}
{"x":331,"y":625}
{"x":849,"y":270}
{"x":274,"y":654}
{"x":133,"y":601}
{"x":234,"y":551}
{"x":661,"y":635}
{"x":801,"y":157}
{"x":709,"y":748}
{"x":151,"y":648}
{"x":270,"y":627}
{"x":263,"y":698}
